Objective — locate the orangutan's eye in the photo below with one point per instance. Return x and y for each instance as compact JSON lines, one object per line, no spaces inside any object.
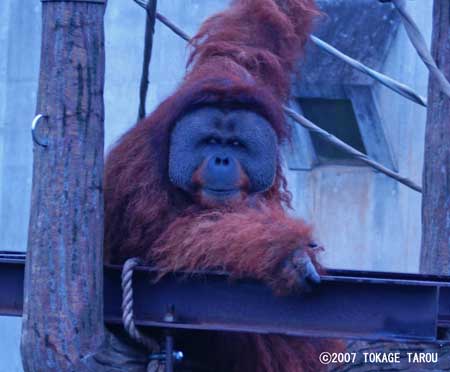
{"x":235,"y":143}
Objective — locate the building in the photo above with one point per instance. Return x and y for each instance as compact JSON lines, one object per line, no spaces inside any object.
{"x":366,"y":220}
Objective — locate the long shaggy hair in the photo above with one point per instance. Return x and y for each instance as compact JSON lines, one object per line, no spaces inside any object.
{"x":241,"y":57}
{"x":263,"y":37}
{"x":140,"y":200}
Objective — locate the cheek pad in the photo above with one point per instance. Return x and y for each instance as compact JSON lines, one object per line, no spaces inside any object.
{"x":182,"y":164}
{"x":261,"y":173}
{"x":261,"y":163}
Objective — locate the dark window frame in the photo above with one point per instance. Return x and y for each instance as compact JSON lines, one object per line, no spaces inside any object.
{"x":301,"y":154}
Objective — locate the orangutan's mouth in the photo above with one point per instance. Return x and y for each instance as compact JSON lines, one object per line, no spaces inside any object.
{"x":221,"y":193}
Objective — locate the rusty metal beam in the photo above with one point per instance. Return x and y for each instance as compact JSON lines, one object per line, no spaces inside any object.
{"x":348,"y":304}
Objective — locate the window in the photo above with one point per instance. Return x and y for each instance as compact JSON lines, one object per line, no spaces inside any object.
{"x":337,"y":117}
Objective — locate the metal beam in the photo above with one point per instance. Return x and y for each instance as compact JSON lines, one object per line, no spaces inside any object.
{"x":348,"y":304}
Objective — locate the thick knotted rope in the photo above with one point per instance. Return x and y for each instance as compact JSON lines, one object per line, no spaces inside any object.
{"x":128,"y":315}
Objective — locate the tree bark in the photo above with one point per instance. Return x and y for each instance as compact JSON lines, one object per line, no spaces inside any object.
{"x":435,"y":254}
{"x":63,"y":300}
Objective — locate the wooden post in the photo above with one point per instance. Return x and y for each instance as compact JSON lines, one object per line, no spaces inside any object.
{"x":63,"y":302}
{"x":435,"y":254}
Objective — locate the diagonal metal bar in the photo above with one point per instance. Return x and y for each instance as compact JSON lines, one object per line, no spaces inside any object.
{"x":349,"y":149}
{"x":387,"y":81}
{"x":421,"y":47}
{"x":393,"y":84}
{"x":164,"y":20}
{"x":308,"y":124}
{"x":396,"y":86}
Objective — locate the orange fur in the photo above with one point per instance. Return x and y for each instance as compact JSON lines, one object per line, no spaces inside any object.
{"x":261,"y":39}
{"x":246,"y":241}
{"x":243,"y":56}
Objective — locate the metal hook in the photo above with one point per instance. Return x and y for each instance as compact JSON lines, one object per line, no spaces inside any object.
{"x":34,"y":135}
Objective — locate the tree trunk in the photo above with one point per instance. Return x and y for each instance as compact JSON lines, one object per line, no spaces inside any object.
{"x":63,"y":301}
{"x":435,"y":254}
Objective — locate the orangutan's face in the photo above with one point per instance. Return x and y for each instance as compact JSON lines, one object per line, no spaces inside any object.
{"x":219,"y":155}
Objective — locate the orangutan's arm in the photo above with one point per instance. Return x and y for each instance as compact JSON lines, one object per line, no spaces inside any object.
{"x":260,"y":243}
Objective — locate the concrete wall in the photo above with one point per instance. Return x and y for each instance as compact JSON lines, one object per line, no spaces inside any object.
{"x":365,"y":220}
{"x":124,"y":47}
{"x":20,"y":25}
{"x":19,"y":66}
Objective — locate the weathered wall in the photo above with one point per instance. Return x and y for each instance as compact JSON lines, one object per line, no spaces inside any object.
{"x":125,"y":25}
{"x":20,"y":26}
{"x":19,"y":64}
{"x":366,"y":220}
